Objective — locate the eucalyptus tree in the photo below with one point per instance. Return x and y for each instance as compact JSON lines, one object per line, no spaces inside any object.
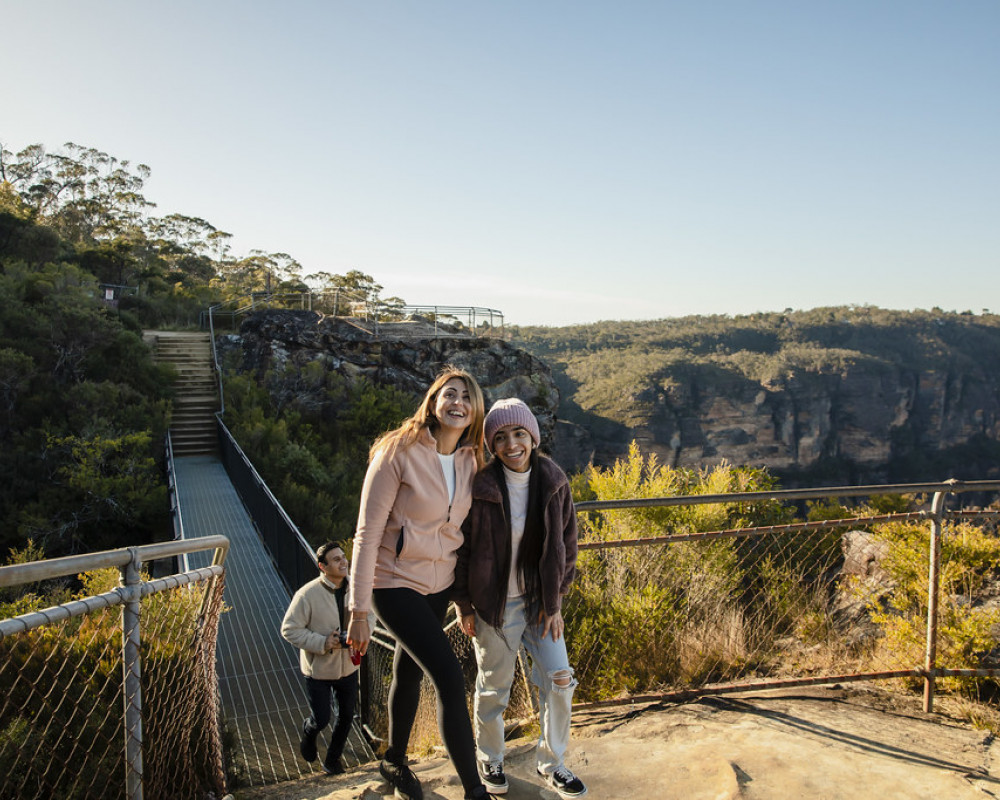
{"x":83,"y":193}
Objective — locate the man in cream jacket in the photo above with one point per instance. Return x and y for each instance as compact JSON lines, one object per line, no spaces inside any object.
{"x":313,"y":623}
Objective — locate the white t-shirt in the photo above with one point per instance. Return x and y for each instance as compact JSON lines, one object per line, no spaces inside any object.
{"x":517,"y":492}
{"x":448,"y":467}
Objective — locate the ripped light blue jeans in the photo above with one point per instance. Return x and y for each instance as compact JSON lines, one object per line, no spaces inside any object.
{"x":550,"y":672}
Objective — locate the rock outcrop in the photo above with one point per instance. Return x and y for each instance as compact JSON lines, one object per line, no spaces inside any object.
{"x":406,"y":355}
{"x":851,"y":423}
{"x":854,"y":426}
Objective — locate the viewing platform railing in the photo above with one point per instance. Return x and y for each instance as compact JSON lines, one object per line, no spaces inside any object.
{"x":379,"y":317}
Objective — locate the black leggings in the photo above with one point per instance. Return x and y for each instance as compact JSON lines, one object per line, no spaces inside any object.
{"x":422,"y":646}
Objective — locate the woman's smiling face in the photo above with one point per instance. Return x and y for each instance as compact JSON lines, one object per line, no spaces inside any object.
{"x":513,"y":444}
{"x":453,"y":405}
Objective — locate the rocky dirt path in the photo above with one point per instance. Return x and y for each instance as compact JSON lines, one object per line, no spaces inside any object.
{"x":815,"y":744}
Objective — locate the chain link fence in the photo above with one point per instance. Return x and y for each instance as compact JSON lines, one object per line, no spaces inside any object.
{"x":688,"y":613}
{"x":95,"y":707}
{"x":911,"y":595}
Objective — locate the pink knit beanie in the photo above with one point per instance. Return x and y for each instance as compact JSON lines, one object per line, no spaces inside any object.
{"x":510,"y":411}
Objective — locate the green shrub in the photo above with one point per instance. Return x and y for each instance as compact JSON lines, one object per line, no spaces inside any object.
{"x":966,"y":631}
{"x":307,"y":431}
{"x":696,"y":610}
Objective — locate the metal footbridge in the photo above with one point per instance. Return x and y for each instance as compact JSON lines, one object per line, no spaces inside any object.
{"x":263,"y":693}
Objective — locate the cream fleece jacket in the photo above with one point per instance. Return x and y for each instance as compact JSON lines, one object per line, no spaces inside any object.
{"x":310,"y":618}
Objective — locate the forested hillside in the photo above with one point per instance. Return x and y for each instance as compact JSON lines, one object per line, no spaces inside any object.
{"x":831,"y":394}
{"x":83,"y":408}
{"x":828,"y":394}
{"x":85,"y":267}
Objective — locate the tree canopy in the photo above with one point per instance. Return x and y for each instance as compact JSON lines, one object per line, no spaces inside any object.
{"x":83,"y":408}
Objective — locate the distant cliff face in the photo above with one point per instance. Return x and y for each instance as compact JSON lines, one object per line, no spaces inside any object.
{"x":405,"y":355}
{"x":856,"y":419}
{"x":855,"y":426}
{"x":840,"y":394}
{"x":872,"y":422}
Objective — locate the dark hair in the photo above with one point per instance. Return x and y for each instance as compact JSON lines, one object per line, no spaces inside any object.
{"x":323,"y":549}
{"x":530,"y":551}
{"x":407,"y":433}
{"x":529,"y":554}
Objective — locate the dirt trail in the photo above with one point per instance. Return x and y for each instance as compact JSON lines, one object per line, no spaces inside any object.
{"x":819,"y":743}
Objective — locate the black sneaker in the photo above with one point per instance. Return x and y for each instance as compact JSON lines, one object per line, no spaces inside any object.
{"x":307,"y":744}
{"x":333,"y":766}
{"x":493,"y":777}
{"x":565,"y":783}
{"x":401,"y":778}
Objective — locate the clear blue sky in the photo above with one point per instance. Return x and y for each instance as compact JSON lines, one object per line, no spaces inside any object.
{"x":561,"y":160}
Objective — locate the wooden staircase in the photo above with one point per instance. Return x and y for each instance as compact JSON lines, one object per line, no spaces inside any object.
{"x":193,"y":427}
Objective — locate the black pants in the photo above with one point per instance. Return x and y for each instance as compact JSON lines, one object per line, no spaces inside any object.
{"x":321,"y":693}
{"x":423,"y":647}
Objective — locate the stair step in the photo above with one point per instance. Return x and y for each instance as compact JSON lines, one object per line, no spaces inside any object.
{"x":182,"y":439}
{"x":209,"y":398}
{"x":200,"y":450}
{"x":196,"y":388}
{"x":200,"y":428}
{"x":189,"y":414}
{"x":204,"y":387}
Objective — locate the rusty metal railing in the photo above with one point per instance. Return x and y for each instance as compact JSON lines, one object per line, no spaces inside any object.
{"x":796,"y":538}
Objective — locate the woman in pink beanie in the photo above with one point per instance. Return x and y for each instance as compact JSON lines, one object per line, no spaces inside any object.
{"x":514,"y":568}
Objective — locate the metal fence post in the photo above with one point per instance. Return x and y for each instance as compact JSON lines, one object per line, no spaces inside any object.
{"x":933,"y":588}
{"x":131,"y":672}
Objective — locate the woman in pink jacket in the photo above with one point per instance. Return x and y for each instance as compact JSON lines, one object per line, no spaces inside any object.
{"x":416,"y":494}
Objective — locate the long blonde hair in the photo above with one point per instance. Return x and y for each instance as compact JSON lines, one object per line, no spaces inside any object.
{"x":408,"y":432}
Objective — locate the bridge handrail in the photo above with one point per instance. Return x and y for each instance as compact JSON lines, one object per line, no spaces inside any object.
{"x":35,"y":571}
{"x":293,"y":557}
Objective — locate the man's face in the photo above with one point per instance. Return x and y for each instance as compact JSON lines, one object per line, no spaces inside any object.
{"x":334,"y":565}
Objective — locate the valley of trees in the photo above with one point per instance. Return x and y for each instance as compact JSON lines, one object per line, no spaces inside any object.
{"x":610,"y":373}
{"x":768,"y":348}
{"x":83,"y":409}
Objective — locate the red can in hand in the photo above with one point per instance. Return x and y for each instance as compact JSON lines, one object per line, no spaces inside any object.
{"x":355,"y":655}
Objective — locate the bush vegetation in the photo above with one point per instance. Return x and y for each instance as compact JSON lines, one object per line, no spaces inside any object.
{"x":724,"y":608}
{"x":83,"y":413}
{"x":967,"y":630}
{"x":61,"y":727}
{"x":311,"y":446}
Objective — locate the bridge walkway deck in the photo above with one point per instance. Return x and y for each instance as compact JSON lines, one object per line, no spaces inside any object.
{"x":263,"y":696}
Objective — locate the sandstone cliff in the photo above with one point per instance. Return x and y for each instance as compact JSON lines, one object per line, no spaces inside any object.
{"x":871,"y":422}
{"x":406,"y":355}
{"x":831,"y":395}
